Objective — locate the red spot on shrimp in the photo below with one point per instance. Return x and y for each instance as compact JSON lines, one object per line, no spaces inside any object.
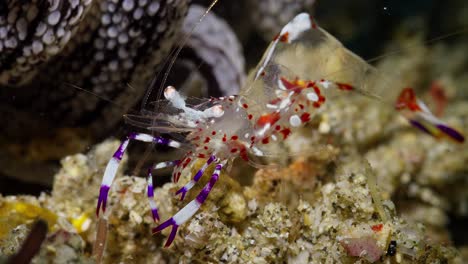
{"x":177,"y":176}
{"x":207,"y":139}
{"x":345,"y":86}
{"x":186,"y":162}
{"x":250,"y":116}
{"x":284,"y":37}
{"x":243,"y":154}
{"x":285,"y":132}
{"x":377,"y":228}
{"x":213,"y":133}
{"x":275,"y":101}
{"x":312,"y":22}
{"x":235,"y":137}
{"x":266,"y":140}
{"x":305,"y":117}
{"x":287,"y":84}
{"x":245,"y":106}
{"x":233,"y":150}
{"x":277,"y":127}
{"x":201,"y":156}
{"x":316,"y":104}
{"x":315,"y":87}
{"x":224,"y":138}
{"x":407,"y":99}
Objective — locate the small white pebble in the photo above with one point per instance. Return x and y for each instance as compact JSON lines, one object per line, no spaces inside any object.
{"x":324,"y":128}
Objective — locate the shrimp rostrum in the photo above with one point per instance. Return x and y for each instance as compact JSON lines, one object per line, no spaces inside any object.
{"x":284,"y":92}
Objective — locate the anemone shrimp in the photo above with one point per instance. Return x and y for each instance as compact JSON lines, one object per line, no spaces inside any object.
{"x":280,"y":95}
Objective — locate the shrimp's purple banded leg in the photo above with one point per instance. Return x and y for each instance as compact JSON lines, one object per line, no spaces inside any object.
{"x":114,"y":162}
{"x":183,"y":191}
{"x":190,"y":209}
{"x":150,"y":189}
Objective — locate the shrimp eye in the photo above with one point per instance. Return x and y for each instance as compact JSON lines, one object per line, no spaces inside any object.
{"x":169,"y":92}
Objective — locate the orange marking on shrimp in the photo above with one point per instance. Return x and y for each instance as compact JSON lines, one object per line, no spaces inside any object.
{"x":270,"y":118}
{"x":284,"y":37}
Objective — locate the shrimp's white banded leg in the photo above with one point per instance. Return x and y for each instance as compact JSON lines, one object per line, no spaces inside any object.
{"x":191,"y":208}
{"x":150,"y":189}
{"x":195,"y":179}
{"x":114,"y":162}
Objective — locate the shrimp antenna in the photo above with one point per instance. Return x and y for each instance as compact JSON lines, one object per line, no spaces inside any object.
{"x":100,"y":97}
{"x":430,"y":41}
{"x":177,"y":52}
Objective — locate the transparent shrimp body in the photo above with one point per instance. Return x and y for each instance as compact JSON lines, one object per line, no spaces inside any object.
{"x":303,"y":68}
